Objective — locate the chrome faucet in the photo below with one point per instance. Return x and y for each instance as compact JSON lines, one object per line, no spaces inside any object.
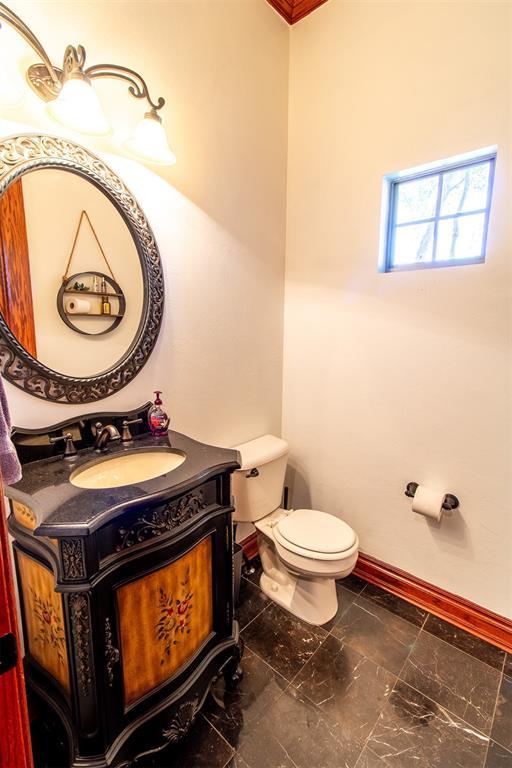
{"x":104,"y":434}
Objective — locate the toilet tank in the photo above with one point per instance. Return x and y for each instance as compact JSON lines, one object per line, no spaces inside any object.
{"x":258,"y":485}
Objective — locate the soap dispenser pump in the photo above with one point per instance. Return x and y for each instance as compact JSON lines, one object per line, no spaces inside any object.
{"x":157,"y":417}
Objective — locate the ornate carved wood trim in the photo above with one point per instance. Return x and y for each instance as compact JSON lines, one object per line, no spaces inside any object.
{"x":81,"y":630}
{"x":161,"y":520}
{"x":179,"y":725}
{"x":111,"y":653}
{"x":181,"y":721}
{"x":72,"y":558}
{"x":294,"y":10}
{"x":457,"y":610}
{"x":21,"y":154}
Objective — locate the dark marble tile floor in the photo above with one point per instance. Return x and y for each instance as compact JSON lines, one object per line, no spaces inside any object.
{"x":382,"y":685}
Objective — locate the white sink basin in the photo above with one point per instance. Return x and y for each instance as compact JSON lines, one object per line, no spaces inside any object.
{"x":127,"y":469}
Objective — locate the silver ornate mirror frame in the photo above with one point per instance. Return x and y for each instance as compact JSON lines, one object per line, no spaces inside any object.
{"x":20,"y":154}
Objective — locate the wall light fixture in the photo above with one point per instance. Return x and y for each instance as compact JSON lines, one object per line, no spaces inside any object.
{"x":73,"y":102}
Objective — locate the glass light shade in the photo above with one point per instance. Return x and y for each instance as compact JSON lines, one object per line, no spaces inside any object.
{"x":77,"y":106}
{"x":149,"y":142}
{"x":10,"y":96}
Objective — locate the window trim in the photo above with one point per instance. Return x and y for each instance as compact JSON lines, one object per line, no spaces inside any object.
{"x":438,"y":169}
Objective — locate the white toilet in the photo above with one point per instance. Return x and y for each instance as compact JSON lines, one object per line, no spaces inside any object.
{"x":302,"y":551}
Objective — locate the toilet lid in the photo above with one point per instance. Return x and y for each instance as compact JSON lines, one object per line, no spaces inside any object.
{"x":316,"y":531}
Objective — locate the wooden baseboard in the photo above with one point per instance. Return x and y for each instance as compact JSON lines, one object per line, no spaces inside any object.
{"x":457,"y":610}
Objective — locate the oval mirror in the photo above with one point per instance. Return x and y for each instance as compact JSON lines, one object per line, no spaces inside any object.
{"x":81,"y":289}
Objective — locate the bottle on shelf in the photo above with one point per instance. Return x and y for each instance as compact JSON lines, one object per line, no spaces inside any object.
{"x":106,"y":308}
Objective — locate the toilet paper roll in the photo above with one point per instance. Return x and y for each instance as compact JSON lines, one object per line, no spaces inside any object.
{"x":77,"y":306}
{"x":428,"y":502}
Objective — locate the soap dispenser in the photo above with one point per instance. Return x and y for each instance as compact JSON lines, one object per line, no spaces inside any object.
{"x":157,"y":417}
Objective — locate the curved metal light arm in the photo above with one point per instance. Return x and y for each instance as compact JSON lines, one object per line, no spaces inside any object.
{"x":9,"y":17}
{"x":138,"y":86}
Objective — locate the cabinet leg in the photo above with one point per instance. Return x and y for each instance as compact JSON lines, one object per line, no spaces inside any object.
{"x":233,"y":671}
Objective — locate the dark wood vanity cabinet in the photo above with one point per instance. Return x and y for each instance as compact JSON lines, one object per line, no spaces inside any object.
{"x":127,"y":605}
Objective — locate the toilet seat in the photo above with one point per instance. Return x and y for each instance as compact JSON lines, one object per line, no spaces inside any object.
{"x":314,"y":535}
{"x":296,"y":577}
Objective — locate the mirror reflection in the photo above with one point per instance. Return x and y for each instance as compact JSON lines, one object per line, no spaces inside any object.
{"x":71,"y":288}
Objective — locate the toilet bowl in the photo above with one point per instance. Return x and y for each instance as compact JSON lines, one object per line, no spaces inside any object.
{"x":302,"y":551}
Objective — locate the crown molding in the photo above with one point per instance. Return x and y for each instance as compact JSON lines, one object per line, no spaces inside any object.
{"x":294,"y":10}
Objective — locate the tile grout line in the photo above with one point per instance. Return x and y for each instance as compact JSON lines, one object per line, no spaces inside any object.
{"x":472,"y":728}
{"x":475,"y":658}
{"x":397,"y":678}
{"x":422,"y":628}
{"x":503,"y":675}
{"x":242,"y":629}
{"x":479,"y":639}
{"x":266,"y":662}
{"x":271,"y":602}
{"x":504,"y":748}
{"x":388,"y":610}
{"x":233,"y":750}
{"x":408,"y":655}
{"x":306,"y":663}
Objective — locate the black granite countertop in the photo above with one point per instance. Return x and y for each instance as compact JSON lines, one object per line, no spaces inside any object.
{"x":59,"y":505}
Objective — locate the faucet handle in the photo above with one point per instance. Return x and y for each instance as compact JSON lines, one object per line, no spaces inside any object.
{"x":126,"y":436}
{"x":69,"y":447}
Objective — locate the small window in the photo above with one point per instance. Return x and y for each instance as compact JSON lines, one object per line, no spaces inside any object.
{"x":439,"y":217}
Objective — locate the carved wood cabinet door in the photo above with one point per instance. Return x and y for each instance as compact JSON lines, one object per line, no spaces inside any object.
{"x":160,"y":618}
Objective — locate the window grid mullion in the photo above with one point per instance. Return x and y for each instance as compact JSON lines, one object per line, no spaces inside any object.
{"x":437,"y":214}
{"x":430,"y":219}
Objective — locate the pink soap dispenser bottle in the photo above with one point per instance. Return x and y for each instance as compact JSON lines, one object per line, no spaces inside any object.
{"x":157,"y":417}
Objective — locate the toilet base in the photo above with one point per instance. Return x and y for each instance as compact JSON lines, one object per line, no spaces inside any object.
{"x":314,"y":601}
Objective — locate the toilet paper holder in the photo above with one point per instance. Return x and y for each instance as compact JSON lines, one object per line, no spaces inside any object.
{"x":450,"y":501}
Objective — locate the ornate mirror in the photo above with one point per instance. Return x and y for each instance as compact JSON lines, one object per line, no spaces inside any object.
{"x":81,"y":289}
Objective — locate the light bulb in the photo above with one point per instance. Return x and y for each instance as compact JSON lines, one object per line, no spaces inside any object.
{"x":149,"y":141}
{"x":10,"y":96}
{"x":77,"y":106}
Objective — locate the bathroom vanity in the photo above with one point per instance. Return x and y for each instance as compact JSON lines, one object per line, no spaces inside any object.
{"x":126,"y":592}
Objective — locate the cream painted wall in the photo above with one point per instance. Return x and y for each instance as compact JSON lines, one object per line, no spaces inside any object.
{"x":218,"y":215}
{"x":387,"y":378}
{"x":407,"y":376}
